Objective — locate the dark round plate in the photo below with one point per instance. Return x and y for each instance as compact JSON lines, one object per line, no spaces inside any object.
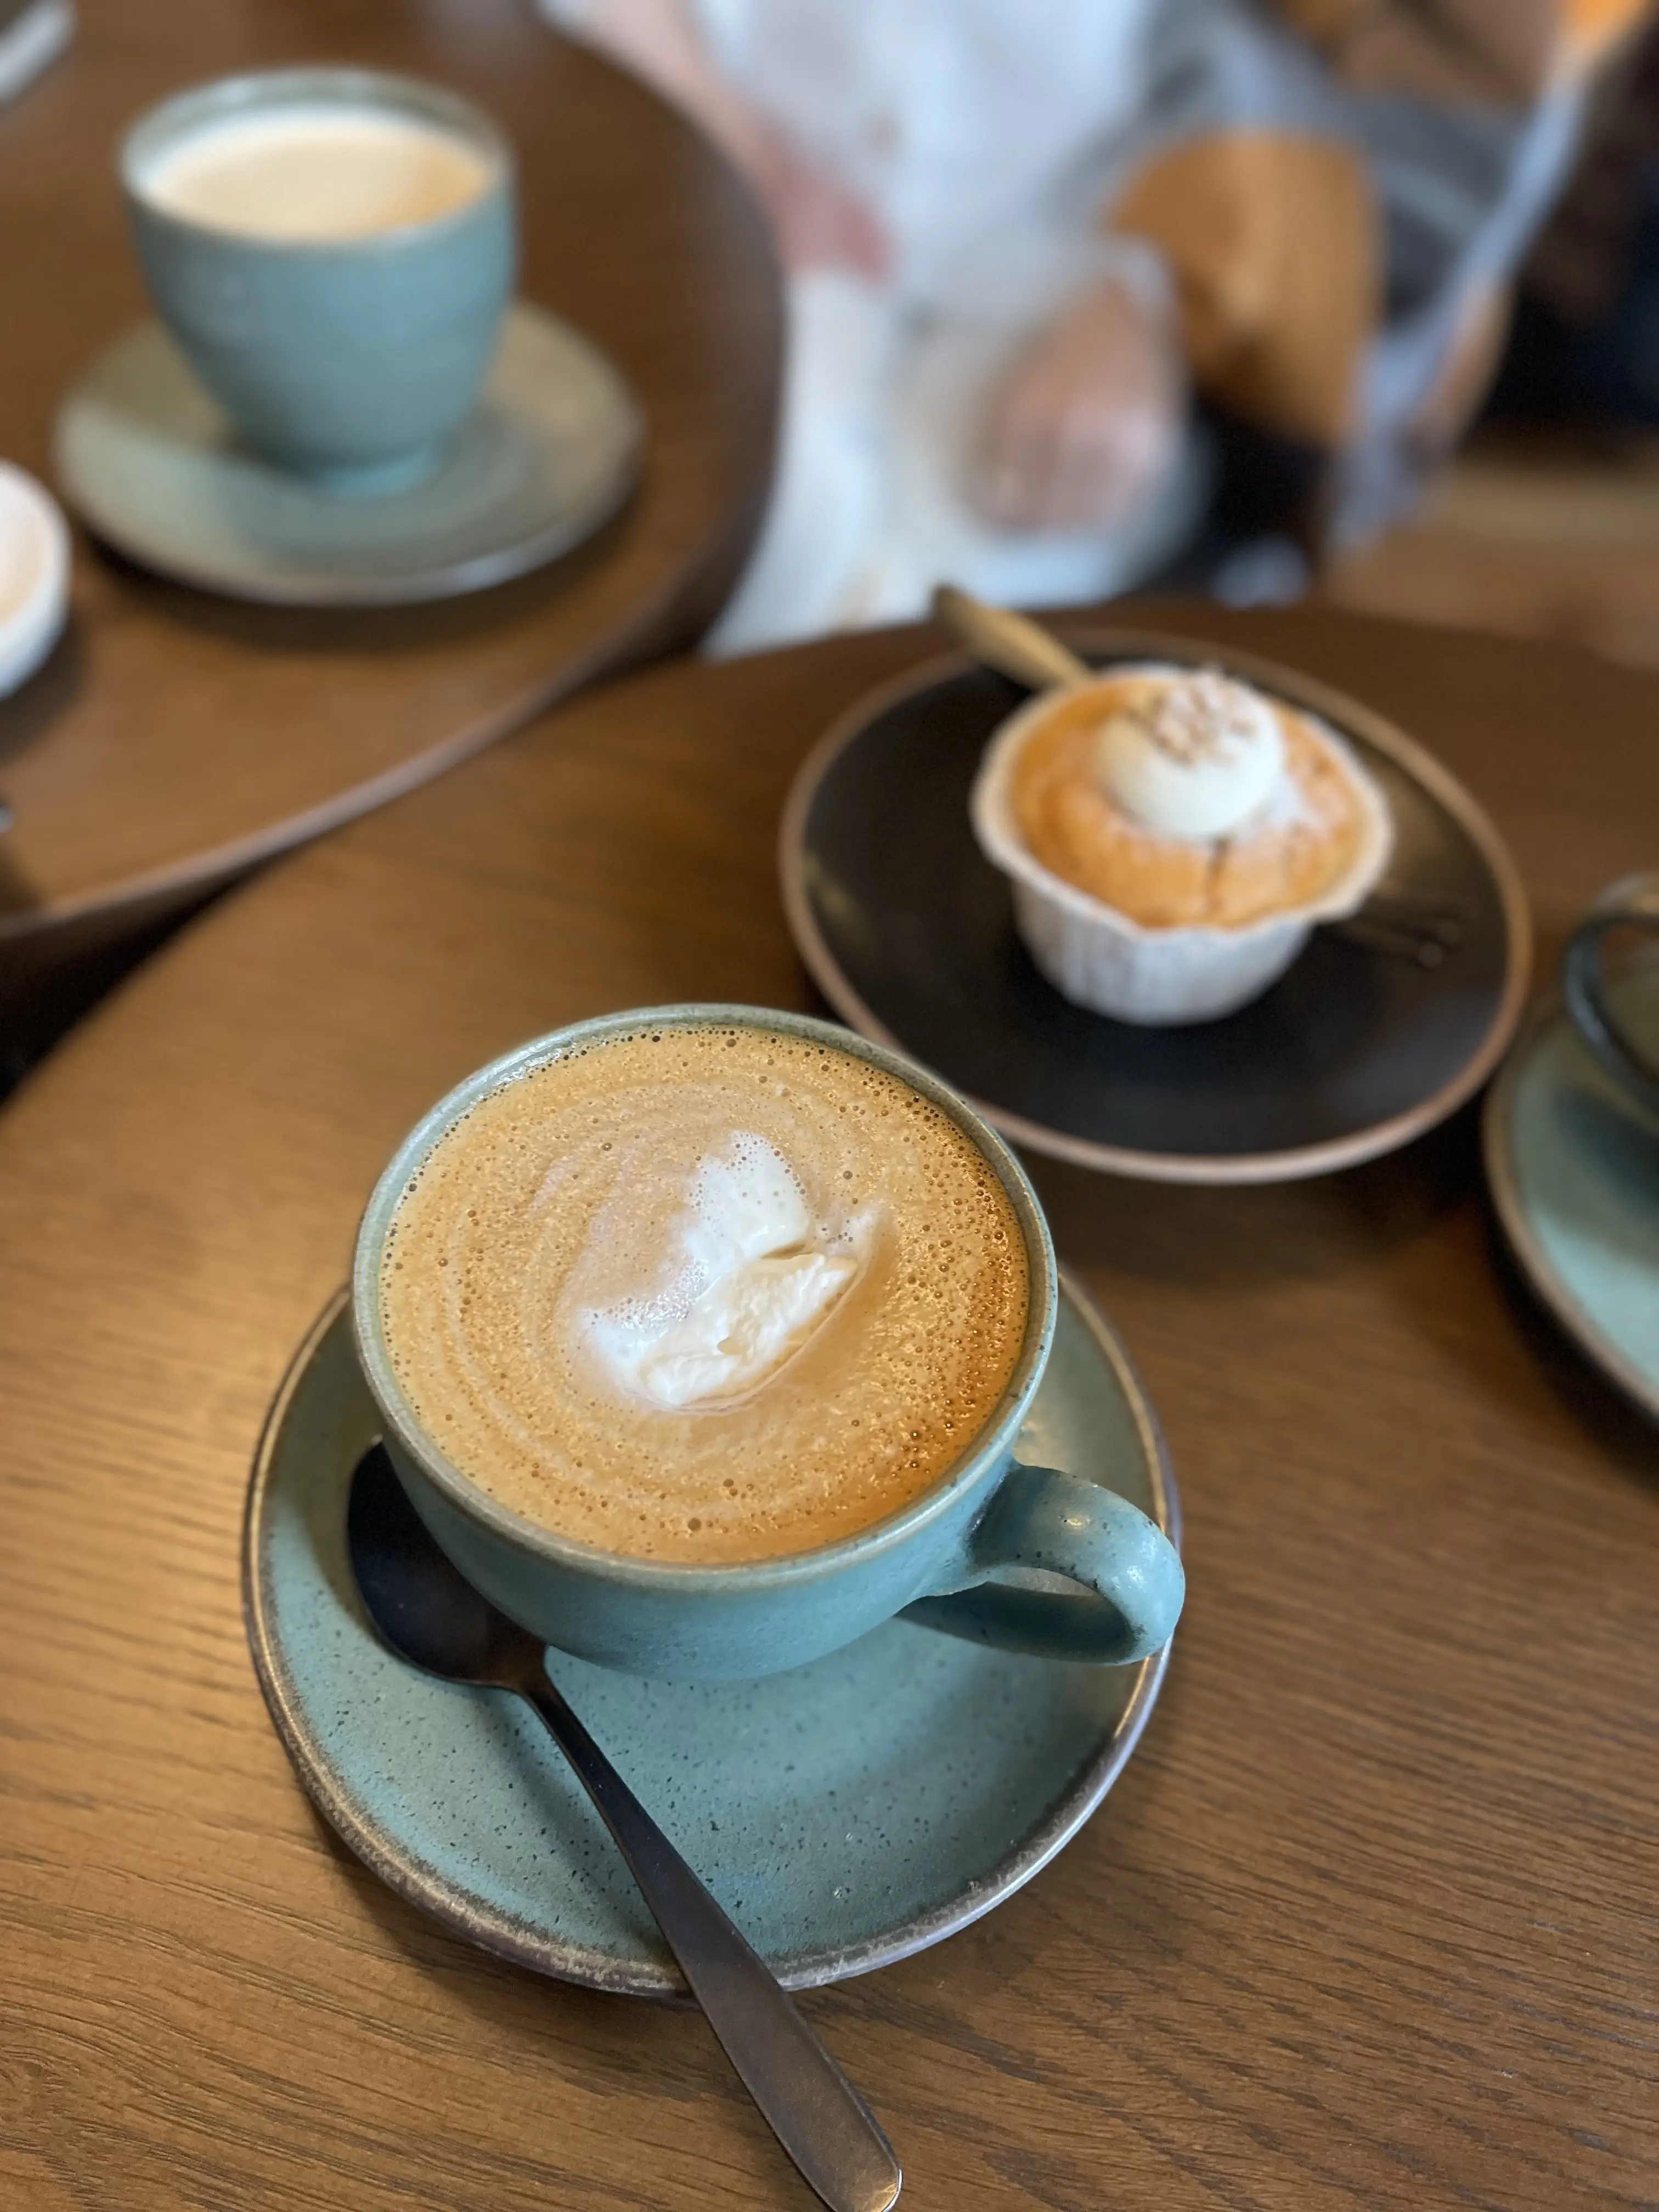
{"x":909,"y":932}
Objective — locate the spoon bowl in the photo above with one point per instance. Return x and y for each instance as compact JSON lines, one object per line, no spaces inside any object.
{"x":420,"y":1603}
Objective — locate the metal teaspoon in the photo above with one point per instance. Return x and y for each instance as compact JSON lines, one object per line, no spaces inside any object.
{"x":429,"y":1614}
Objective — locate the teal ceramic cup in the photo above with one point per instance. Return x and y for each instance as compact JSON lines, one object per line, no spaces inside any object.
{"x":938,"y":1560}
{"x":354,"y":359}
{"x":1628,"y":907}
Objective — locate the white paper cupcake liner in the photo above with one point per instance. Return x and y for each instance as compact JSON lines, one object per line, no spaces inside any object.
{"x":1100,"y":959}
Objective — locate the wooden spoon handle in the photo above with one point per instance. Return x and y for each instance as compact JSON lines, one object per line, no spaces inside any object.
{"x":1011,"y":643}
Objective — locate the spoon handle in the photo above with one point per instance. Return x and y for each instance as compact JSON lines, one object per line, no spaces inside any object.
{"x":1011,"y":643}
{"x":813,"y":2110}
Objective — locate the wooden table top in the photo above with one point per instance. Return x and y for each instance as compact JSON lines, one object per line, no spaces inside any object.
{"x":1367,"y":1920}
{"x":176,"y":738}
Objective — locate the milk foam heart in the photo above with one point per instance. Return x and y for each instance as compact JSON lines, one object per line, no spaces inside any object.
{"x":750,"y":1283}
{"x":1192,"y":757}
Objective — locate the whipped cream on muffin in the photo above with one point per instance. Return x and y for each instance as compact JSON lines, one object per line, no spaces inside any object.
{"x":1193,"y":759}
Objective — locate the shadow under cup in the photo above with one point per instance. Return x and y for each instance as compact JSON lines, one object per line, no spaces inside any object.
{"x":353,"y":359}
{"x":940,"y":1552}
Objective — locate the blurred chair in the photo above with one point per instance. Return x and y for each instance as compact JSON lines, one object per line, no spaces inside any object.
{"x":1547,"y":524}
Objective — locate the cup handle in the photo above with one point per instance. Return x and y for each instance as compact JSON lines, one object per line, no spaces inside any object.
{"x":1634,"y":904}
{"x":1130,"y":1572}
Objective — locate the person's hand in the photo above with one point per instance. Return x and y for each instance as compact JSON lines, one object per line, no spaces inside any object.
{"x":818,"y":223}
{"x":1087,"y":421}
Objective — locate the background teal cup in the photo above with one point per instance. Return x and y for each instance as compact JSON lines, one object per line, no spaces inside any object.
{"x":354,"y":359}
{"x":1631,"y":905}
{"x":937,"y":1558}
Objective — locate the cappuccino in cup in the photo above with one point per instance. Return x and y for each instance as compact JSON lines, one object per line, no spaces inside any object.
{"x":702,"y":1338}
{"x":704,"y":1293}
{"x":313,"y":171}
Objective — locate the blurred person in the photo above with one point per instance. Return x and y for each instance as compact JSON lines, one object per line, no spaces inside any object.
{"x":1053,"y":264}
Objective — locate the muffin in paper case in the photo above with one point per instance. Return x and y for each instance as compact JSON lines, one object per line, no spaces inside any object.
{"x":1102,"y":960}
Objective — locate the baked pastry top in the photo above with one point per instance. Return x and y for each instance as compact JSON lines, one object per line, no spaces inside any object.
{"x":1186,"y":748}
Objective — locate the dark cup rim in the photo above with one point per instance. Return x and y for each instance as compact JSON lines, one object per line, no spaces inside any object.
{"x":325,"y":84}
{"x":989,"y":1447}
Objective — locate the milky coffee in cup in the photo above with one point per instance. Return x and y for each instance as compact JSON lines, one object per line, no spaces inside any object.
{"x":704,"y":1294}
{"x":333,"y":251}
{"x":313,"y":172}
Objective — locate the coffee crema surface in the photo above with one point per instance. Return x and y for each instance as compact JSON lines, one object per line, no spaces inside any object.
{"x":318,"y":173}
{"x":704,"y":1295}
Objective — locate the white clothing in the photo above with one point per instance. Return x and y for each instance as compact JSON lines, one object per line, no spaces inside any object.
{"x":977,"y":130}
{"x":868,"y":508}
{"x":980,"y":134}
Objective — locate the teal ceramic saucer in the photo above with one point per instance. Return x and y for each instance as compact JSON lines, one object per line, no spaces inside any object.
{"x":1573,"y":1163}
{"x":846,"y":1813}
{"x":154,"y":467}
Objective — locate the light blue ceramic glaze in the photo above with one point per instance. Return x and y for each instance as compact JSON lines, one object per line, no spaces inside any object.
{"x":1631,"y":905}
{"x":687,"y":1624}
{"x":845,"y":1814}
{"x":355,"y":359}
{"x":1574,"y":1164}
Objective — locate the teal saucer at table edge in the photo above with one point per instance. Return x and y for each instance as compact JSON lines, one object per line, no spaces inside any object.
{"x":845,"y":1814}
{"x":153,"y":466}
{"x":1573,"y":1163}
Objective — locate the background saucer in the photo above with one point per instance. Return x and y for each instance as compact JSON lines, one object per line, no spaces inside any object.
{"x":1573,"y":1163}
{"x":155,"y":468}
{"x":909,"y":932}
{"x":845,"y":1814}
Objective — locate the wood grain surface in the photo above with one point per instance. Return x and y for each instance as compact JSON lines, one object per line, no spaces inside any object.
{"x":176,"y":738}
{"x":1368,"y":1922}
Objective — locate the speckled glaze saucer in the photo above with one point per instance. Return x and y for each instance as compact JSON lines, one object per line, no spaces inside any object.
{"x":845,"y":1814}
{"x":1573,"y":1163}
{"x":154,"y":467}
